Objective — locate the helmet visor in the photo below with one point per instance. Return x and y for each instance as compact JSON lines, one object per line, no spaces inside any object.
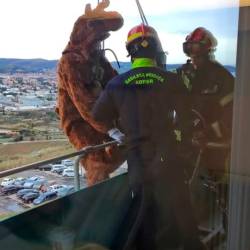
{"x":193,"y":48}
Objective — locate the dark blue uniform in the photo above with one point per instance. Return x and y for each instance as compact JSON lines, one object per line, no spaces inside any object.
{"x":142,"y":100}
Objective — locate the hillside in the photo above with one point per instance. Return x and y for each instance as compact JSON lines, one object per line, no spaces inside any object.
{"x":42,"y":65}
{"x":18,"y":154}
{"x":26,"y":65}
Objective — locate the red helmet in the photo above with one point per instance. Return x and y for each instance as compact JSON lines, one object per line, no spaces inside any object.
{"x":141,"y":31}
{"x":143,"y":39}
{"x":199,"y":42}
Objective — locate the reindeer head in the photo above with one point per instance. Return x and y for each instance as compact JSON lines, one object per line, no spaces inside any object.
{"x":94,"y":26}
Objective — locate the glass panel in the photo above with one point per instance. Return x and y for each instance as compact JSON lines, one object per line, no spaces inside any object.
{"x":178,"y":111}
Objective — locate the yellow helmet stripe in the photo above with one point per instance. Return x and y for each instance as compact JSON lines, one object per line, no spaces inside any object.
{"x":138,"y":34}
{"x":134,"y":36}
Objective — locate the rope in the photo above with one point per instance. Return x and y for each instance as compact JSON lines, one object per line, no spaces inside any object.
{"x":143,"y":17}
{"x":102,"y":45}
{"x":114,"y":56}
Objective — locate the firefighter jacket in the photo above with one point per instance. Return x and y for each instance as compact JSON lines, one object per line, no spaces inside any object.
{"x":207,"y":96}
{"x":209,"y":92}
{"x":142,"y":101}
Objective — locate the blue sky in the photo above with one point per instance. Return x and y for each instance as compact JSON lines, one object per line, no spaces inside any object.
{"x":223,"y":23}
{"x":41,"y":28}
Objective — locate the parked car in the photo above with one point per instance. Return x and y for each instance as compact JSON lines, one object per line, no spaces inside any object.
{"x":39,"y":183}
{"x":57,"y":162}
{"x":69,"y":172}
{"x":45,"y":167}
{"x":29,"y":183}
{"x":19,"y":181}
{"x":68,"y":162}
{"x":10,"y":189}
{"x":58,"y":168}
{"x":24,"y":191}
{"x":29,"y":197}
{"x":56,"y":187}
{"x":7,"y":181}
{"x":49,"y":195}
{"x":65,"y":191}
{"x":35,"y":178}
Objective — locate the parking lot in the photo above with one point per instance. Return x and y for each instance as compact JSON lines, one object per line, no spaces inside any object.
{"x":11,"y":204}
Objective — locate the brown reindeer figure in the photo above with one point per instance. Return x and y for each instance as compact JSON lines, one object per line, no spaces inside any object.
{"x":82,"y":73}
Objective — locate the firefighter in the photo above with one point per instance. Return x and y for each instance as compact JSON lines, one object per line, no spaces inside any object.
{"x":141,"y":99}
{"x":206,"y":120}
{"x":208,"y":96}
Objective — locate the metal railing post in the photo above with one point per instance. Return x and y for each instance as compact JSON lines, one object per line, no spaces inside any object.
{"x":84,"y":152}
{"x":76,"y":170}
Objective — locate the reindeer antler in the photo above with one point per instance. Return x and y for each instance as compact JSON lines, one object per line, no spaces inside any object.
{"x":100,"y":9}
{"x":88,"y":9}
{"x":102,"y":5}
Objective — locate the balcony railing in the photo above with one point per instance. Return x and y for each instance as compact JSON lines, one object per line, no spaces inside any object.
{"x":80,"y":154}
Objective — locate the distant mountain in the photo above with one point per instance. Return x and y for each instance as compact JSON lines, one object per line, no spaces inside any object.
{"x":26,"y":65}
{"x":125,"y":66}
{"x":42,"y":65}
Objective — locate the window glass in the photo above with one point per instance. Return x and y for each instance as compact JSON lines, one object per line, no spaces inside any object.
{"x":172,"y":97}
